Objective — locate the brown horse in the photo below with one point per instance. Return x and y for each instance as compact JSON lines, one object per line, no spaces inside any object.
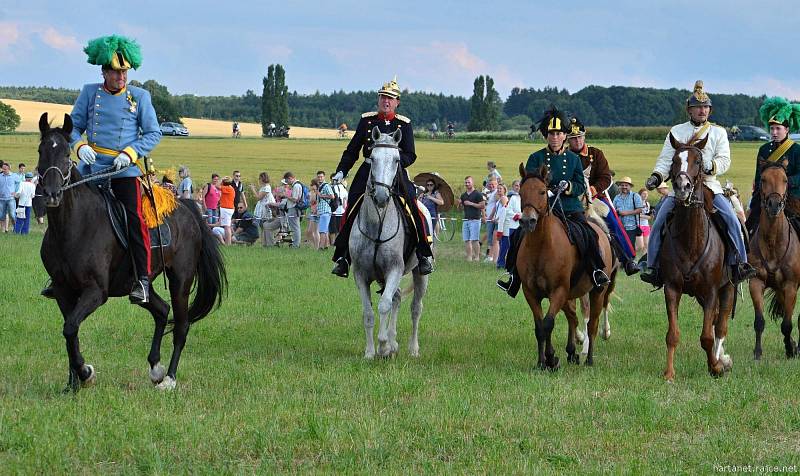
{"x":692,"y":260}
{"x":550,"y":267}
{"x":775,"y":253}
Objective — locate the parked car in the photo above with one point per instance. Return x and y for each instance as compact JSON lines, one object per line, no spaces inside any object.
{"x":174,"y":129}
{"x":747,"y":133}
{"x":794,"y":137}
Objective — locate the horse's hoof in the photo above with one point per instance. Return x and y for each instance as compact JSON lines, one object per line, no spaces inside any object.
{"x":756,"y":355}
{"x":727,"y":362}
{"x":669,"y":376}
{"x":554,"y":364}
{"x":589,"y":361}
{"x":91,"y":379}
{"x":157,"y":373}
{"x":579,"y":337}
{"x":717,"y":370}
{"x":574,"y":359}
{"x":167,"y":384}
{"x":606,"y":335}
{"x":369,"y":355}
{"x":413,"y":350}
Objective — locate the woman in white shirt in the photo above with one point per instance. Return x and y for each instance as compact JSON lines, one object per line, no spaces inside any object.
{"x":267,"y":220}
{"x":499,"y":217}
{"x":25,"y":205}
{"x":510,"y":223}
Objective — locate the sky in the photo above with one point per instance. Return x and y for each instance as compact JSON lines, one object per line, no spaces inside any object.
{"x":224,"y":48}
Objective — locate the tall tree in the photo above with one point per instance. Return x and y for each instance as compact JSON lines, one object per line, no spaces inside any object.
{"x":492,"y":106}
{"x":476,"y":113}
{"x":163,"y":102}
{"x":268,"y":100}
{"x":281,"y":102}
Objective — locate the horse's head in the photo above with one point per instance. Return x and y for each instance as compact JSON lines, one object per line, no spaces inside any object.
{"x":533,"y":196}
{"x":687,"y":170}
{"x":54,"y":165}
{"x":773,"y":186}
{"x":385,"y":160}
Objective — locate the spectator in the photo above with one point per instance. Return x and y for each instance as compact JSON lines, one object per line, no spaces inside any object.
{"x":501,"y":201}
{"x":613,"y":189}
{"x":493,"y":173}
{"x":39,"y":207}
{"x":338,"y":206}
{"x":246,"y":228}
{"x":25,"y":202}
{"x":432,"y":200}
{"x":238,"y":187}
{"x":168,"y":181}
{"x":266,"y":211}
{"x":7,"y":191}
{"x":185,"y":188}
{"x":473,"y":203}
{"x":19,"y":178}
{"x":489,"y":215}
{"x":629,"y":207}
{"x":510,"y":222}
{"x":644,"y":222}
{"x":292,"y":213}
{"x":211,"y":195}
{"x":663,"y":190}
{"x":312,"y":229}
{"x":226,"y":207}
{"x":324,"y":201}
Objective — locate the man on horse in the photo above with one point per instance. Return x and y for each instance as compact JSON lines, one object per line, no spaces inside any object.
{"x":387,"y":121}
{"x":121,"y":128}
{"x":716,"y":160}
{"x":781,"y":117}
{"x":569,"y":184}
{"x":598,"y":177}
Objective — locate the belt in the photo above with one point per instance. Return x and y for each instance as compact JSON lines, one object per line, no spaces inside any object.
{"x":103,"y":150}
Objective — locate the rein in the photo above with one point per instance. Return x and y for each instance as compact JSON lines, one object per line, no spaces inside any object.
{"x":371,"y":184}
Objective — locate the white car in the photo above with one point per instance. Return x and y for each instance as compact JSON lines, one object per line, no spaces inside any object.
{"x":174,"y":129}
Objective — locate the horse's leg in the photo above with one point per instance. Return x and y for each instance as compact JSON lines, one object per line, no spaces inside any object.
{"x":572,"y":321}
{"x":757,"y":296}
{"x":726,"y":296}
{"x":159,"y":309}
{"x":385,"y":308}
{"x":580,"y":336}
{"x":420,"y":286}
{"x":557,"y":300}
{"x":369,"y":316}
{"x":396,"y":298}
{"x":535,"y":304}
{"x":789,"y":294}
{"x":606,"y":324}
{"x":672,"y":297}
{"x":710,"y":316}
{"x":595,"y":305}
{"x":74,"y":312}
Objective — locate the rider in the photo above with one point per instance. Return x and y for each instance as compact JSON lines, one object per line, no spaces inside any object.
{"x":716,"y":160}
{"x":235,"y":128}
{"x":387,"y":121}
{"x":121,"y":128}
{"x":781,"y":117}
{"x":598,"y":176}
{"x":566,"y":174}
{"x":451,"y":128}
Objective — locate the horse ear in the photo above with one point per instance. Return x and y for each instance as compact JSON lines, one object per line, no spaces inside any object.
{"x":376,"y":133}
{"x":521,"y":170}
{"x":544,"y":171}
{"x":701,"y":145}
{"x":44,"y":124}
{"x":761,"y":163}
{"x":673,"y":142}
{"x":397,"y":136}
{"x":785,"y":163}
{"x":67,"y":128}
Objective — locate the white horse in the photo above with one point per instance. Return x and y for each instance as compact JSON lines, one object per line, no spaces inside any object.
{"x":377,"y":245}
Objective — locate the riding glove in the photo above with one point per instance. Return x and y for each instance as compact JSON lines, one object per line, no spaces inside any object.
{"x":122,"y":160}
{"x":652,"y":181}
{"x":338,"y":176}
{"x":87,"y":154}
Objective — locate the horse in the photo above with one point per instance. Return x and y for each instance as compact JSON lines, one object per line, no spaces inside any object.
{"x":378,"y":244}
{"x":775,"y":253}
{"x":87,"y":265}
{"x":550,"y":267}
{"x":692,"y":260}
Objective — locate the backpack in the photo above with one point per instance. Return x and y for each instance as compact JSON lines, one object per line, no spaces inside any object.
{"x":329,"y":201}
{"x":304,"y":200}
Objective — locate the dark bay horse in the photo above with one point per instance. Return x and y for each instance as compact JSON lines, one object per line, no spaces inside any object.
{"x":775,"y":253}
{"x":87,"y":265}
{"x":692,"y":260}
{"x":550,"y":268}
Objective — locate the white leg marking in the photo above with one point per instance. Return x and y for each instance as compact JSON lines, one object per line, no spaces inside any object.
{"x":157,"y":373}
{"x":167,"y":384}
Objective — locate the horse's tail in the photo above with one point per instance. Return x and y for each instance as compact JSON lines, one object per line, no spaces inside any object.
{"x":775,"y":305}
{"x":211,"y":279}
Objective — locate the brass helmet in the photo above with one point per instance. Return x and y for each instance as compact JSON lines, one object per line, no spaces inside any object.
{"x":699,"y":96}
{"x":553,"y":120}
{"x":390,"y":89}
{"x":576,"y":128}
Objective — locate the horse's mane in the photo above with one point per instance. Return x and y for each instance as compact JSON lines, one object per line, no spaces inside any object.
{"x":535,"y":174}
{"x":771,"y":165}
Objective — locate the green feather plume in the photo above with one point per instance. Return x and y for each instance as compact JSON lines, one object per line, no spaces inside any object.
{"x":100,"y":50}
{"x":782,"y":110}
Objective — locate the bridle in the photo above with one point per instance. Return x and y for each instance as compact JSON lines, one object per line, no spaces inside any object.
{"x":783,"y":197}
{"x":527,"y":205}
{"x":371,"y":188}
{"x":693,"y":199}
{"x":372,"y":183}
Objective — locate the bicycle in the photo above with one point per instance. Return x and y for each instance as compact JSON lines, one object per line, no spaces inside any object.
{"x":442,"y":232}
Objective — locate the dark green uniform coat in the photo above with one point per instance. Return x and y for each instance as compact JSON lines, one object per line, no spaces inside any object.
{"x":564,"y":166}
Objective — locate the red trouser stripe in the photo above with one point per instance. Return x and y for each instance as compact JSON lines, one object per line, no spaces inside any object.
{"x":143,"y":225}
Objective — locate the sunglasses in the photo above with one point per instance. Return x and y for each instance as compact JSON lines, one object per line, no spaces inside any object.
{"x":429,"y":184}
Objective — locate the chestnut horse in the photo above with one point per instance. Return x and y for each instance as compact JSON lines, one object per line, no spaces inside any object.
{"x":550,"y":267}
{"x":692,"y":260}
{"x":775,"y":253}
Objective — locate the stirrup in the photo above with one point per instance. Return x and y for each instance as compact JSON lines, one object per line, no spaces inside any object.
{"x":505,"y":285}
{"x":424,"y":265}
{"x":341,"y":268}
{"x":140,"y":294}
{"x":600,"y":278}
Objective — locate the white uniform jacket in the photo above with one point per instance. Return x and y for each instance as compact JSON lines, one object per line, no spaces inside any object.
{"x":716,"y":154}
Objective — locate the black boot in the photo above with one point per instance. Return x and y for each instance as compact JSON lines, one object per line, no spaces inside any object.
{"x":424,"y":265}
{"x":140,"y":294}
{"x":650,"y":275}
{"x":512,"y":285}
{"x":600,"y":279}
{"x":341,"y":268}
{"x":48,"y":291}
{"x":742,"y":272}
{"x":630,"y":267}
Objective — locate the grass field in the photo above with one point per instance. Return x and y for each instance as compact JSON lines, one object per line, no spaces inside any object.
{"x":274,"y":380}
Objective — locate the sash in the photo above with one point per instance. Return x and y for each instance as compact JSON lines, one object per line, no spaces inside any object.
{"x":700,"y":132}
{"x":778,"y":153}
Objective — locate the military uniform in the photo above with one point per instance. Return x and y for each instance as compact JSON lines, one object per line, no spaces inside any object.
{"x":361,"y":145}
{"x":119,"y":125}
{"x":563,"y":165}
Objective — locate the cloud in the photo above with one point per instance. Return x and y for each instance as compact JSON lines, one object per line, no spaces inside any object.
{"x":9,"y":35}
{"x":52,"y":38}
{"x":759,"y":85}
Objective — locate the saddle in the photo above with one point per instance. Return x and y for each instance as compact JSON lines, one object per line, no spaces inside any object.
{"x":716,"y":220}
{"x":583,"y":237}
{"x":119,"y":222}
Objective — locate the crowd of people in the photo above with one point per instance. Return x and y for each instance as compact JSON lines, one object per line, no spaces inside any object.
{"x":18,"y":201}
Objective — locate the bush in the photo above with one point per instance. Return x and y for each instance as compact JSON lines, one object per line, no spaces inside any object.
{"x":627,"y":134}
{"x":9,"y":119}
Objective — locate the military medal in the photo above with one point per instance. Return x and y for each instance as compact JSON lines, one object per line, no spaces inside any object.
{"x":132,"y":103}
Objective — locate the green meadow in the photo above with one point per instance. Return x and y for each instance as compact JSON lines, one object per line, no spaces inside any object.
{"x":274,"y":381}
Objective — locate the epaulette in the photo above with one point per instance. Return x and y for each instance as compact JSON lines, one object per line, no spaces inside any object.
{"x":403,"y":118}
{"x":370,"y":114}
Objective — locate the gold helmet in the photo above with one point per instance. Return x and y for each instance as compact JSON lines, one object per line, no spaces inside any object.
{"x":390,"y":89}
{"x":699,"y":96}
{"x":576,"y":128}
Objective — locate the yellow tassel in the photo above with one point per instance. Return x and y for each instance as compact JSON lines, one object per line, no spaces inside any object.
{"x":166,"y":203}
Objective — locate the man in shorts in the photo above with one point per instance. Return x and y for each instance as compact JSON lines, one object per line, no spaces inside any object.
{"x":473,"y":203}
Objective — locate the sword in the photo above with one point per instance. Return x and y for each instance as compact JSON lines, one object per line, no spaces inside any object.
{"x":149,"y":192}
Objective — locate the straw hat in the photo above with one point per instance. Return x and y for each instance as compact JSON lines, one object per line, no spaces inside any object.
{"x":662,"y":185}
{"x":626,"y":180}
